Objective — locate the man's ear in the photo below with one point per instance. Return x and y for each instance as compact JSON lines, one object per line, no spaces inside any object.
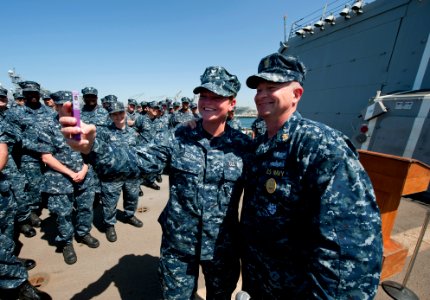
{"x":297,"y":91}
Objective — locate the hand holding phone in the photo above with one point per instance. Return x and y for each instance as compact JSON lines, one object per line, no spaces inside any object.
{"x":76,"y":112}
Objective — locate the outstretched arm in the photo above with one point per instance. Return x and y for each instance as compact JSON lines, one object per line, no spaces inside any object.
{"x":108,"y":160}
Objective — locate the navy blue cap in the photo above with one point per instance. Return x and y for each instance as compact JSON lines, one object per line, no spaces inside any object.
{"x":154,"y":104}
{"x":278,"y":68}
{"x":114,"y":107}
{"x":110,"y":99}
{"x":18,"y":95}
{"x":185,"y":100}
{"x":89,"y":91}
{"x":219,"y":81}
{"x":132,"y":101}
{"x":61,"y":97}
{"x":29,"y":86}
{"x":3,"y":92}
{"x":46,"y":95}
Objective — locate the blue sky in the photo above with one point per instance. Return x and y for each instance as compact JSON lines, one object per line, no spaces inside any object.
{"x":141,"y":49}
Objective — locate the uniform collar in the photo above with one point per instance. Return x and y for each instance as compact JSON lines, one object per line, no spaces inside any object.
{"x":282,"y":136}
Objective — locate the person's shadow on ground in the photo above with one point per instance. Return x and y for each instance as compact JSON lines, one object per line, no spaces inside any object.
{"x":135,"y":276}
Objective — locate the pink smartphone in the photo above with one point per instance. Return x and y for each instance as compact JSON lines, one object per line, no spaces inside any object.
{"x":76,"y":112}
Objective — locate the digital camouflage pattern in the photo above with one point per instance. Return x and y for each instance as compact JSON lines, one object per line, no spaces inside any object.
{"x":98,"y":116}
{"x":95,"y":115}
{"x":234,"y":123}
{"x":132,"y":115}
{"x":23,"y":119}
{"x":259,"y":127}
{"x":180,"y":117}
{"x":29,"y":86}
{"x":279,"y":68}
{"x":11,"y":137}
{"x":161,"y":125}
{"x":112,"y":186}
{"x":12,"y":272}
{"x":310,"y":221}
{"x":219,"y":81}
{"x":89,"y":91}
{"x":145,"y":127}
{"x":63,"y":205}
{"x":63,"y":194}
{"x":7,"y":207}
{"x":50,"y":140}
{"x":200,"y":220}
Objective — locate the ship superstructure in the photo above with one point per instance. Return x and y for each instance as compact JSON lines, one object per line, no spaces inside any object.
{"x":355,"y":50}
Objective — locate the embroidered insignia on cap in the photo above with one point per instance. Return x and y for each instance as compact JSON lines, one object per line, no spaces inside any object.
{"x":267,"y":62}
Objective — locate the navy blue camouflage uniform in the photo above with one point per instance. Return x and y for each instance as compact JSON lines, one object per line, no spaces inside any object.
{"x":64,"y":195}
{"x":145,"y":126}
{"x":12,"y":272}
{"x":200,"y":219}
{"x":111,"y":186}
{"x":97,"y":116}
{"x":234,"y":123}
{"x":258,"y":127}
{"x":310,"y":221}
{"x":179,"y":117}
{"x":18,"y":180}
{"x":134,"y":114}
{"x":28,"y":160}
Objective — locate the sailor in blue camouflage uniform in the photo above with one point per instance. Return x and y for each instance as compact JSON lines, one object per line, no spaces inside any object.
{"x":144,"y":107}
{"x":28,"y":160}
{"x":14,"y":282}
{"x":131,"y":112}
{"x":195,"y":111}
{"x":107,"y":101}
{"x":18,"y":180}
{"x":46,"y":97}
{"x":161,"y":122}
{"x":91,"y":113}
{"x":68,"y":182}
{"x":200,"y":220}
{"x":19,"y":99}
{"x":119,"y":134}
{"x":145,"y":124}
{"x":310,"y":221}
{"x":182,"y":115}
{"x":176,"y":106}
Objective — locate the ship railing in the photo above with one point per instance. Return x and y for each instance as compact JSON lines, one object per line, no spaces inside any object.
{"x":327,"y":16}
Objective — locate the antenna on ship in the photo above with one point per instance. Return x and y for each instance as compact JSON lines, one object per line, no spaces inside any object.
{"x":14,"y":78}
{"x":284,"y":44}
{"x":177,"y":95}
{"x":285,"y":29}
